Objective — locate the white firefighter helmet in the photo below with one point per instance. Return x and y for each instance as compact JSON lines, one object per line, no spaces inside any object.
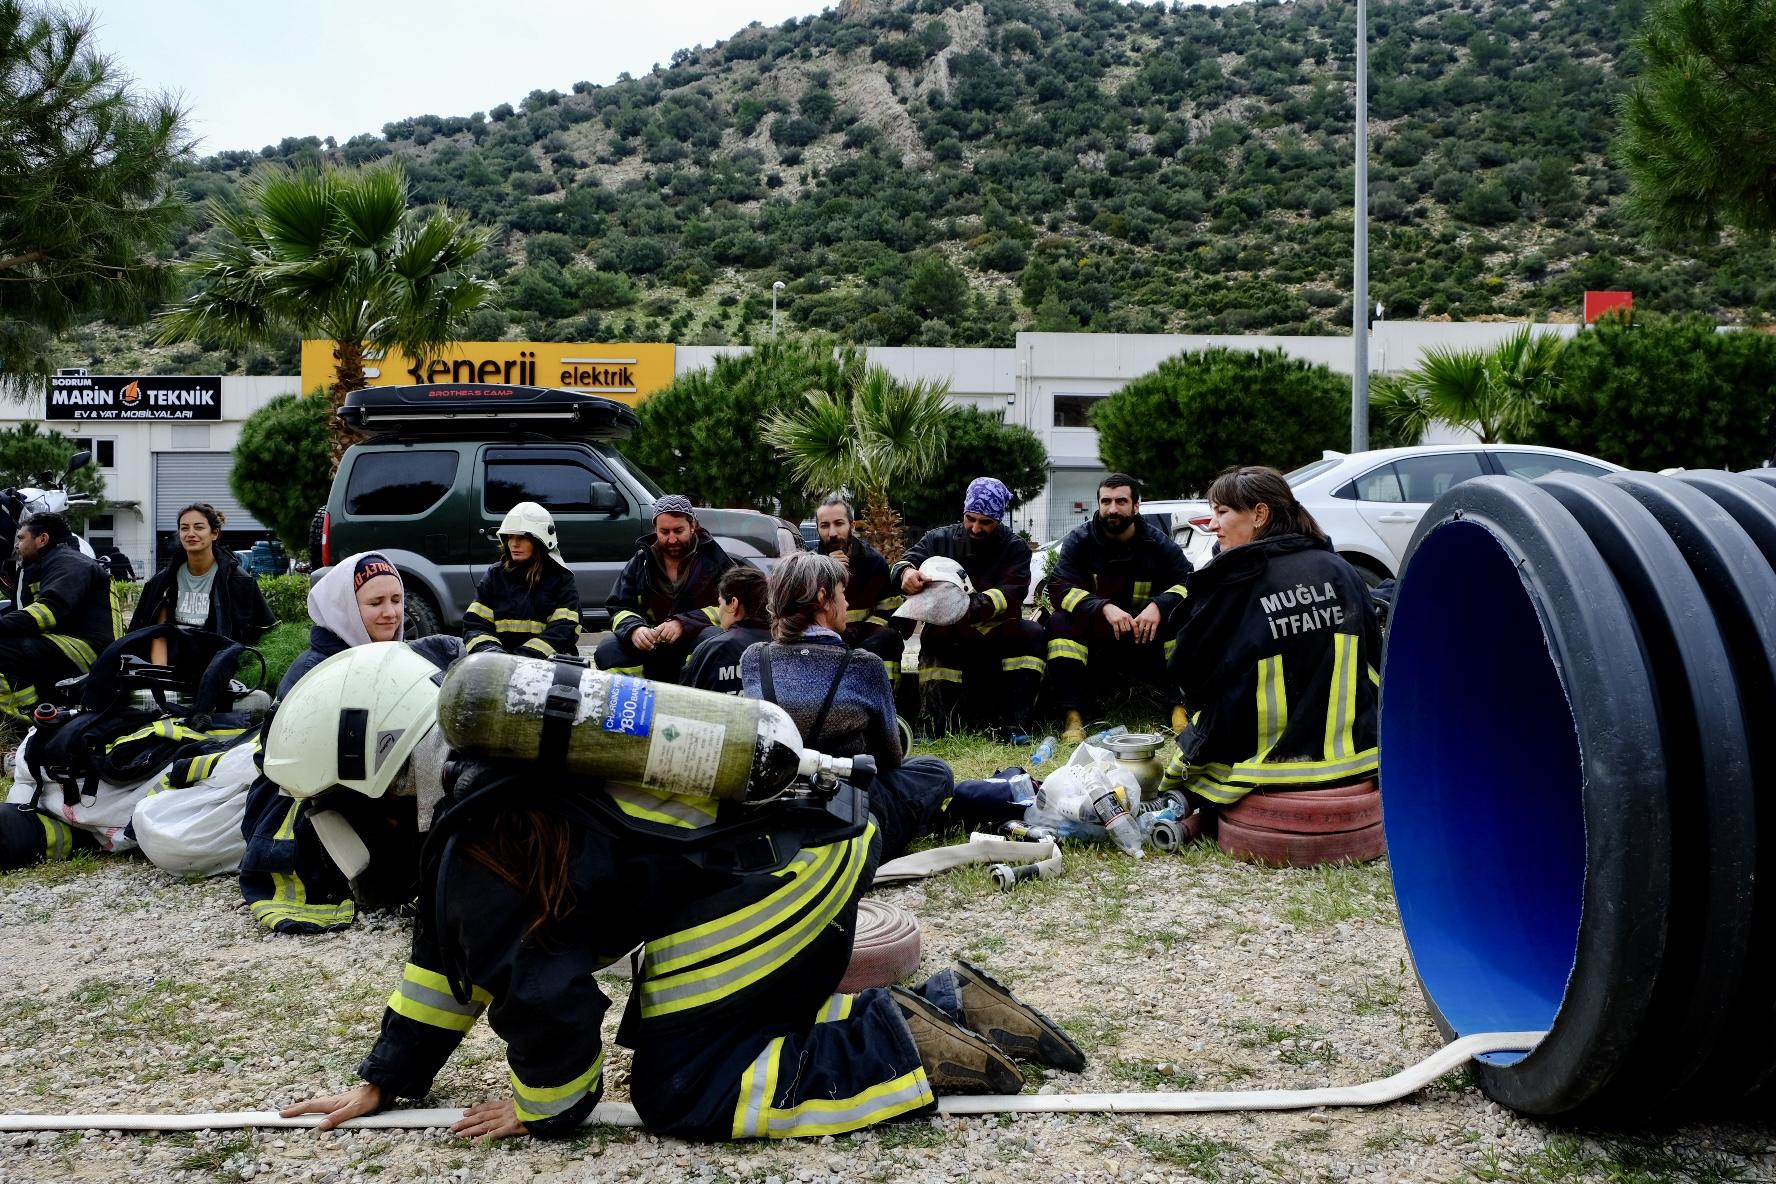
{"x":352,"y":721}
{"x":944,"y":599}
{"x":531,"y":519}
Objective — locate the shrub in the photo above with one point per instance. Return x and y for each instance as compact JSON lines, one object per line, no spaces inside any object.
{"x":287,"y":595}
{"x":283,"y":469}
{"x":281,"y":647}
{"x":1196,"y":414}
{"x":977,"y":445}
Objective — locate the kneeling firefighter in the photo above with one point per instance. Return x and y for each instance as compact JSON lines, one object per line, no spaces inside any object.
{"x":694,"y":826}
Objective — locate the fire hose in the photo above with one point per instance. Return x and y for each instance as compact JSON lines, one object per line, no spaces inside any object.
{"x":1374,"y":1093}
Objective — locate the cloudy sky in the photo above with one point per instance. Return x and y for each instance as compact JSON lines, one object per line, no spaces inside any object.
{"x":253,"y":71}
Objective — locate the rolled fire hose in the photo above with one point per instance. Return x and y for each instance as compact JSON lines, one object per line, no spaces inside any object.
{"x":1375,"y":1093}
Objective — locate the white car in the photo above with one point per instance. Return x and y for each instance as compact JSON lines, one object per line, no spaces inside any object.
{"x":1369,"y":503}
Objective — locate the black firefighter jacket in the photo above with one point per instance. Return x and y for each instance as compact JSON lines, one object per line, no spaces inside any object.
{"x":237,"y":607}
{"x":1093,"y":568}
{"x":637,"y":600}
{"x":535,"y":620}
{"x":998,"y":566}
{"x":66,"y":599}
{"x":1278,"y":664}
{"x":867,"y":587}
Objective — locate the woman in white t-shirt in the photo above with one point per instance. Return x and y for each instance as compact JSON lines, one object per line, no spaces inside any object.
{"x":203,"y":586}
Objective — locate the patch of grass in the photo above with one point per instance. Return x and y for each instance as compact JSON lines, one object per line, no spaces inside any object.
{"x":281,"y":646}
{"x":211,"y":1159}
{"x":1094,"y":1029}
{"x":48,"y":875}
{"x":1205,"y":1158}
{"x":1293,"y":1046}
{"x":1319,"y":898}
{"x":911,"y":1133}
{"x":1146,"y":1074}
{"x":1376,"y":994}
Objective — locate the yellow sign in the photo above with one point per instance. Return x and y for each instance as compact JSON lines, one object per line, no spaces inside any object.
{"x":628,"y":372}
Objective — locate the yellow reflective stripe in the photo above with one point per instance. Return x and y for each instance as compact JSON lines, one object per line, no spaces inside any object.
{"x":424,"y":997}
{"x":1072,"y":599}
{"x":835,"y":1009}
{"x":668,"y":809}
{"x":75,"y":650}
{"x":42,"y":614}
{"x":1176,"y":771}
{"x":289,"y":900}
{"x":287,"y":828}
{"x":833,"y":1116}
{"x":1171,"y":647}
{"x":480,"y":610}
{"x":1374,"y":676}
{"x":116,"y":614}
{"x":1273,"y":704}
{"x":1074,"y":651}
{"x":889,"y":604}
{"x":622,"y":615}
{"x":58,"y":838}
{"x":874,"y":620}
{"x":758,"y":1085}
{"x":1293,"y":772}
{"x":538,"y":1102}
{"x":692,"y":988}
{"x":997,"y":596}
{"x":481,"y":639}
{"x":515,"y":625}
{"x":1143,"y":591}
{"x":565,"y":614}
{"x":855,"y":616}
{"x":713,"y":613}
{"x":1176,"y":590}
{"x":1341,"y":703}
{"x":538,"y":646}
{"x":938,"y":674}
{"x":808,"y":874}
{"x":1023,"y":662}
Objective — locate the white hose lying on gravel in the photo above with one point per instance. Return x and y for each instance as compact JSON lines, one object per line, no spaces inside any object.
{"x":1388,"y":1089}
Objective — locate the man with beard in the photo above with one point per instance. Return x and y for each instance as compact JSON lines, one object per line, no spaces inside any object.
{"x":866,"y":585}
{"x":992,"y":652}
{"x":665,"y":596}
{"x":1116,"y":593}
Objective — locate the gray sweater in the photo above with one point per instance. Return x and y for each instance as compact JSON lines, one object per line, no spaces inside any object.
{"x":862,"y":715}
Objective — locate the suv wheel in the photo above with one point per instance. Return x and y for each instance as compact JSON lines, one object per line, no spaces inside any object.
{"x":422,"y":617}
{"x":314,"y":538}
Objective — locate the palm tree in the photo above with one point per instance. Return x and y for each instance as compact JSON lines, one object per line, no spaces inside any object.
{"x":332,"y":253}
{"x":879,"y":434}
{"x":1492,"y":392}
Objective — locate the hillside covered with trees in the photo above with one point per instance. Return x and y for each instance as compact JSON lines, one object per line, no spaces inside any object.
{"x":947,"y":172}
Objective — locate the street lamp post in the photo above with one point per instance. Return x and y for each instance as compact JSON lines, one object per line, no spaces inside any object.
{"x":1360,"y":260}
{"x":776,"y":287}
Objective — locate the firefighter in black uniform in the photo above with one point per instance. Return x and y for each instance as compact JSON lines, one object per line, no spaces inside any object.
{"x":715,"y":664}
{"x":735,"y":1020}
{"x":868,"y":589}
{"x":528,"y":602}
{"x":1278,"y":657}
{"x":665,"y":597}
{"x":993,"y":650}
{"x":66,"y":613}
{"x":1115,"y":596}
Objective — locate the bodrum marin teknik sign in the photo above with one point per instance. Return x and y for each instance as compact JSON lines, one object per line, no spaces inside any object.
{"x":126,"y":396}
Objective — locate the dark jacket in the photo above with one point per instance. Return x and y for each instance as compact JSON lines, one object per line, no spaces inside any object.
{"x":998,"y":566}
{"x":512,"y":614}
{"x":1094,"y":568}
{"x":861,"y":718}
{"x":66,"y":599}
{"x":237,"y":608}
{"x":866,"y":586}
{"x":636,"y":598}
{"x":1278,"y":664}
{"x":715,"y":664}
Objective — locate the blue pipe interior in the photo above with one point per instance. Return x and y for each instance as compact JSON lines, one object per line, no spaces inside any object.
{"x":1483,"y":793}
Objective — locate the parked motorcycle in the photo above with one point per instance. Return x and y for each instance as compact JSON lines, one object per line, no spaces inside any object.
{"x":17,"y":504}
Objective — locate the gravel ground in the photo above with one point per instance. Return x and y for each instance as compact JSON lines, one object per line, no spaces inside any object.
{"x":127,"y":991}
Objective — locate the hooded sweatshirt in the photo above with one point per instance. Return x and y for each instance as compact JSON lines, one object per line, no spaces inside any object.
{"x":333,"y":607}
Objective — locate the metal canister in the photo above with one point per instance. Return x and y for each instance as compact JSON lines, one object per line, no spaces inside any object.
{"x":1138,"y":752}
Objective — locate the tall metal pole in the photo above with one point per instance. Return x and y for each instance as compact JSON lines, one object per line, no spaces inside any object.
{"x":1360,"y":261}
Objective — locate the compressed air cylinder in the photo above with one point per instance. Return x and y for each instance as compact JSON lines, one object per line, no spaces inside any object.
{"x":655,"y":735}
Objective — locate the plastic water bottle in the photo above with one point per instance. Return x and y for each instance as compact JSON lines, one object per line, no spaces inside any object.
{"x":1112,"y":811}
{"x":1108,"y":734}
{"x":1043,"y":752}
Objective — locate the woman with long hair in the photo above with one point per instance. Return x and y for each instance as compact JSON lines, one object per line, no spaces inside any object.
{"x":1279,"y":657}
{"x":202,"y":586}
{"x":527,"y":603}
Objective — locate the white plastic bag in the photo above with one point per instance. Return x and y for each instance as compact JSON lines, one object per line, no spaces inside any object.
{"x":104,"y":814}
{"x":196,"y":831}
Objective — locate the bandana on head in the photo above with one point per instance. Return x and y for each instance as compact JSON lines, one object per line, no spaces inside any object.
{"x":675,"y":503}
{"x":988,"y":497}
{"x":369,"y":567}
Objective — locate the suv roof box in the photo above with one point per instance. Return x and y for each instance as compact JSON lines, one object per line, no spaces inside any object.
{"x":459,"y":406}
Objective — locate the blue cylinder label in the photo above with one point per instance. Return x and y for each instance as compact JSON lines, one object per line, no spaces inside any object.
{"x":631,"y":711}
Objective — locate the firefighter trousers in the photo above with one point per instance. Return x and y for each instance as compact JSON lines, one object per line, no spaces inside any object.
{"x":29,"y":669}
{"x":996,"y":670}
{"x":663,"y":663}
{"x":1085,"y":658}
{"x":29,"y":836}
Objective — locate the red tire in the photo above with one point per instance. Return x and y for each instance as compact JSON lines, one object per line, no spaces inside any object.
{"x":1310,"y":811}
{"x":886,"y":948}
{"x":1279,"y":849}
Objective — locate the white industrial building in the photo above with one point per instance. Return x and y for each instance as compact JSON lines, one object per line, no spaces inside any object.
{"x":1047,"y":382}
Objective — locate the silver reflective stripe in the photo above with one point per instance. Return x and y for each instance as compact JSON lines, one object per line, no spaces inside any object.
{"x":441,"y":1000}
{"x":804,"y":883}
{"x":756,"y":1098}
{"x":788,"y":1121}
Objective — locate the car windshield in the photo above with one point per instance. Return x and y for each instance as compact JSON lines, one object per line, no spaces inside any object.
{"x":640,"y":474}
{"x":1313,"y":469}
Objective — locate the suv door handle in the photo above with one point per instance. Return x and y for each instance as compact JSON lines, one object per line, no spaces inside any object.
{"x":1397,"y":517}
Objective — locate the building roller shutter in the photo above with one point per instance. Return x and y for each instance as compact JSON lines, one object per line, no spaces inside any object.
{"x":181,"y":478}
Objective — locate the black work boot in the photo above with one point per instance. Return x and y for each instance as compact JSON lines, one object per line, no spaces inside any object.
{"x":989,"y":1007}
{"x":956,"y":1061}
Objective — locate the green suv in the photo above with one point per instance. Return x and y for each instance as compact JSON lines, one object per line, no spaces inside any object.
{"x":442,"y":464}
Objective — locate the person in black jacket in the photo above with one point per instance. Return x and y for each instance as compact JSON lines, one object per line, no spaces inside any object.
{"x":866,"y":585}
{"x":993,"y":650}
{"x":202,"y":586}
{"x":715,"y":664}
{"x":665,"y":597}
{"x":1115,"y":596}
{"x":66,"y":613}
{"x":119,"y":565}
{"x":1277,"y":659}
{"x":528,"y":602}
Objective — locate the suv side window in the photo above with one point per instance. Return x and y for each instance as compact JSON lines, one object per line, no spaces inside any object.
{"x":1530,"y":465}
{"x":1427,"y":478}
{"x":399,"y":483}
{"x":561,"y":483}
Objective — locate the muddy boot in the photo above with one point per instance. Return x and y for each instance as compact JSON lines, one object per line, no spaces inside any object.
{"x":1180,"y":719}
{"x":956,"y":1061}
{"x":1075,"y":732}
{"x":989,"y":1007}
